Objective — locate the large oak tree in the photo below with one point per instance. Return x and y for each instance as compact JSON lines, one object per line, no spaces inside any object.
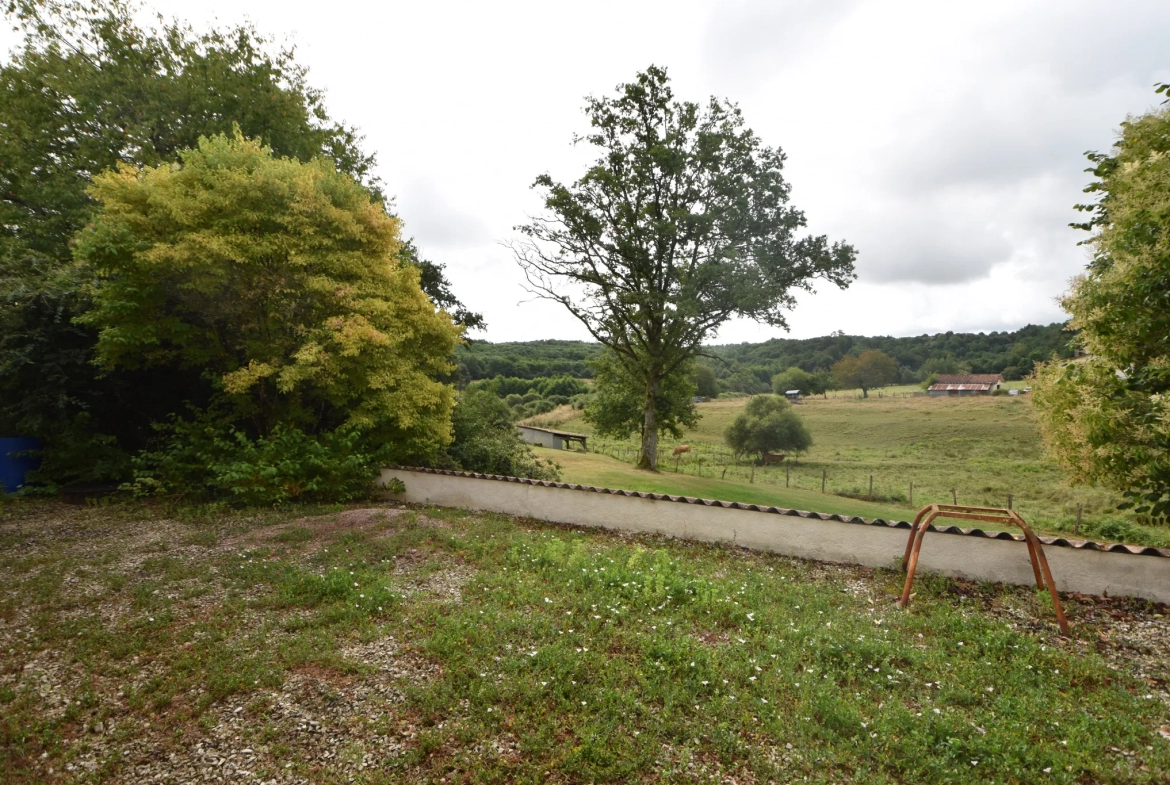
{"x":682,"y":223}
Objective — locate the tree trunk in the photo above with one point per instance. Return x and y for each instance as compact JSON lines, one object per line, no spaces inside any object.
{"x":864,"y":393}
{"x":649,"y":457}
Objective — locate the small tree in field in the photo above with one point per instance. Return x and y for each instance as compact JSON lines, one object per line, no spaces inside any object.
{"x":822,"y":382}
{"x":767,"y":424}
{"x":872,"y":368}
{"x":794,"y":379}
{"x":682,"y":223}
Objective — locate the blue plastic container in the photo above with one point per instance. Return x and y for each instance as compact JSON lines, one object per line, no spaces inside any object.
{"x":14,"y":466}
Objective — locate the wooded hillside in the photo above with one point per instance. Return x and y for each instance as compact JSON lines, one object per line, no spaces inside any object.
{"x":745,"y":366}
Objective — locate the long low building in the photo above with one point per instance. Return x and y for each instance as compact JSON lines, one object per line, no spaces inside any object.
{"x":965,"y":384}
{"x":547,"y":437}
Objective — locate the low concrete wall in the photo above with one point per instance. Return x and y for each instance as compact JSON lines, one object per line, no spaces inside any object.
{"x":1077,"y":566}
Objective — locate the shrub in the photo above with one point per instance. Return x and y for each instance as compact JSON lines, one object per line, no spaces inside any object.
{"x":486,"y":441}
{"x":286,"y":466}
{"x":1115,"y":530}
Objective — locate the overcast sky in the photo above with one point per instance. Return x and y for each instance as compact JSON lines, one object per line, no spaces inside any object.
{"x":944,"y":140}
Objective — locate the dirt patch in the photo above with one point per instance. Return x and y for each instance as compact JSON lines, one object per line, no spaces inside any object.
{"x":307,"y":534}
{"x":710,"y":638}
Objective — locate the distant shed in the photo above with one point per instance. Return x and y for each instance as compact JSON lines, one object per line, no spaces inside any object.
{"x":546,"y":437}
{"x":793,"y":395}
{"x":965,"y":384}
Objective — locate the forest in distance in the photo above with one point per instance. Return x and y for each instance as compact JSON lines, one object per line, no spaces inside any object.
{"x":749,"y":367}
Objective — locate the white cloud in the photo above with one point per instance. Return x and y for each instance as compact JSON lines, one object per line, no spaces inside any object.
{"x":945,"y":140}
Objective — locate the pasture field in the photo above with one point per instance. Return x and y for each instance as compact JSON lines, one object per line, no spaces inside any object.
{"x":604,"y":471}
{"x":390,"y":644}
{"x":984,"y":448}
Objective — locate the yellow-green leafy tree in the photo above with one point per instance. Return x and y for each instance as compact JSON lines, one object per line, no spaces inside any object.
{"x":1106,"y":417}
{"x":282,"y":282}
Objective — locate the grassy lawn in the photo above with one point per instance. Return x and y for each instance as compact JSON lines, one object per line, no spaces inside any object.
{"x":423,"y":645}
{"x":983,"y":447}
{"x":607,"y":472}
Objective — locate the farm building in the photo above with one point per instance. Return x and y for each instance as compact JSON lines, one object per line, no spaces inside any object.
{"x":546,"y":437}
{"x":966,"y":384}
{"x":794,"y":396}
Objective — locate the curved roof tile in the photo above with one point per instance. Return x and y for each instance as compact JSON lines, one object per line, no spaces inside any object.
{"x":1061,"y":542}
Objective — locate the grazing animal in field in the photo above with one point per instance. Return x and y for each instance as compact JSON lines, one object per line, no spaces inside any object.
{"x":680,"y":450}
{"x":771,"y":457}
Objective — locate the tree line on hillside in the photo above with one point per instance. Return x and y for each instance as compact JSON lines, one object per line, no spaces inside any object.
{"x":750,"y":368}
{"x":526,"y":360}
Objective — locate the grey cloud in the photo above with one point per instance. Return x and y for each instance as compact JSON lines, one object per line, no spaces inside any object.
{"x":435,"y":222}
{"x":1089,"y":44}
{"x":755,"y":36}
{"x":980,"y":167}
{"x":929,"y":251}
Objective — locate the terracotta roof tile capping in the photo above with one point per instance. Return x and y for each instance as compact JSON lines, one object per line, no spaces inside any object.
{"x":1088,"y":545}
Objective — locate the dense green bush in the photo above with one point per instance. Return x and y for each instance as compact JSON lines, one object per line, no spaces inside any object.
{"x":1116,"y":530}
{"x":768,"y":423}
{"x":198,"y":460}
{"x":485,"y":440}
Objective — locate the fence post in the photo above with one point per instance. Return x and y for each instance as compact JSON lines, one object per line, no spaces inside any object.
{"x":753,"y":477}
{"x":1077,"y":525}
{"x":912,"y":493}
{"x":786,"y":467}
{"x":870,"y":488}
{"x":824,"y":474}
{"x":954,"y":497}
{"x":1009,"y":501}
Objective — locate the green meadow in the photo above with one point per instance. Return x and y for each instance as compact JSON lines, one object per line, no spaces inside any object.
{"x":976,"y":450}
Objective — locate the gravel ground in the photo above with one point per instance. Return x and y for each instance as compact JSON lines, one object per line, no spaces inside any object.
{"x":88,"y":567}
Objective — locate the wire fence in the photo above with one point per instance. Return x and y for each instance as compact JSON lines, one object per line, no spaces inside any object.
{"x":713,"y":461}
